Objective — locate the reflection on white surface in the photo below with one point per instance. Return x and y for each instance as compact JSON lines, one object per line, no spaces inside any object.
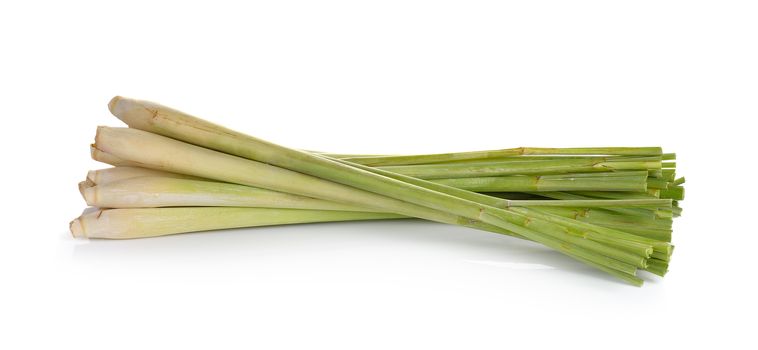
{"x":512,"y":265}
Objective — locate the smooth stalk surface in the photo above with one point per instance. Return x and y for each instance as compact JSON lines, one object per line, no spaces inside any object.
{"x":152,"y":222}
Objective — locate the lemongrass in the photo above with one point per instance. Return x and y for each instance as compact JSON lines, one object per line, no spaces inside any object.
{"x":131,"y":187}
{"x":658,"y":267}
{"x":152,"y":222}
{"x":673,"y":192}
{"x":159,"y":119}
{"x":103,"y":176}
{"x":151,"y":192}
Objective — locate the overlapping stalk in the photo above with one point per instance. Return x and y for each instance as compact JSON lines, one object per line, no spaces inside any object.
{"x":165,"y":181}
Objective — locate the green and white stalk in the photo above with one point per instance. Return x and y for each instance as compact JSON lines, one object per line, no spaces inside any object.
{"x":108,"y":175}
{"x":153,"y":222}
{"x":152,"y":192}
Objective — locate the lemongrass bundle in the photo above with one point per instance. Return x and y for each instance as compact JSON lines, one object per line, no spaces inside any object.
{"x":608,"y":207}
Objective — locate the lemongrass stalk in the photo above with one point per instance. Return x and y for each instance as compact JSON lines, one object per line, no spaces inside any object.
{"x":151,"y":192}
{"x":618,"y":195}
{"x":673,"y":192}
{"x":561,"y":196}
{"x":668,"y":165}
{"x":658,"y":267}
{"x":654,"y":232}
{"x":661,"y":256}
{"x":447,"y":157}
{"x":103,"y":176}
{"x":168,"y":122}
{"x":514,"y":195}
{"x":642,"y":212}
{"x":547,"y":183}
{"x":589,"y":203}
{"x":668,"y":156}
{"x":601,"y":216}
{"x":536,"y":167}
{"x":347,"y":155}
{"x":152,"y":222}
{"x":652,"y":159}
{"x":613,"y":181}
{"x":678,"y":182}
{"x":532,"y":158}
{"x":653,"y":183}
{"x":149,"y":183}
{"x":631,"y":279}
{"x":657,"y":233}
{"x":601,"y":175}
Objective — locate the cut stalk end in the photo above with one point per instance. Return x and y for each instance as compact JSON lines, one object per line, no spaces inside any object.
{"x":76,"y":228}
{"x":84,"y":185}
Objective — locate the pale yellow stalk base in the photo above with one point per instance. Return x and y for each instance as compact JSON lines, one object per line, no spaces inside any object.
{"x":104,"y":176}
{"x":153,"y":222}
{"x":152,"y":192}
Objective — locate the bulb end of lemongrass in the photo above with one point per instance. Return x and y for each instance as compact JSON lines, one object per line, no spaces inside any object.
{"x":90,"y":195}
{"x":84,"y":185}
{"x":102,"y":156}
{"x":113,"y":103}
{"x":93,"y":177}
{"x":135,"y":113}
{"x":76,"y":228}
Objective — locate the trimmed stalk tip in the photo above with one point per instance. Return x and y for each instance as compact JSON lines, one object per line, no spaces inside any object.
{"x":76,"y":228}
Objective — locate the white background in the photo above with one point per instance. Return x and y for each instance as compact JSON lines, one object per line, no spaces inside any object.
{"x":381,"y":77}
